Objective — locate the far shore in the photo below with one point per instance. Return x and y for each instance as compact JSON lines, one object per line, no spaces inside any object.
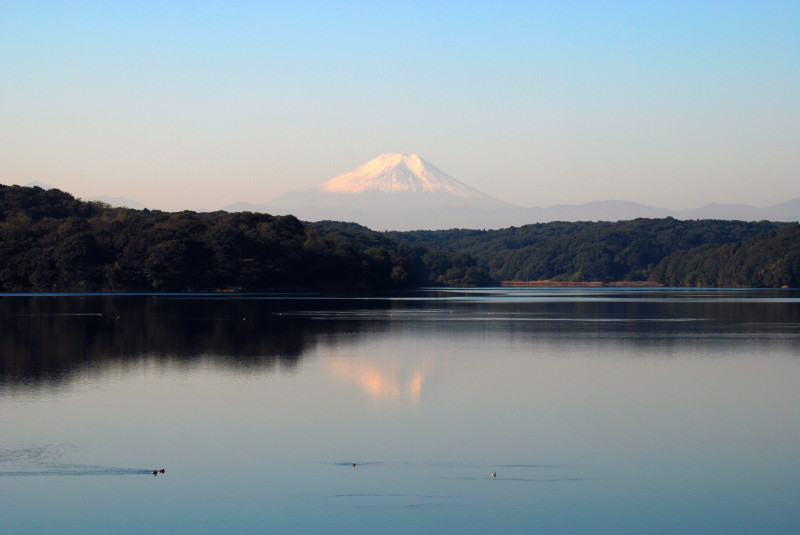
{"x":594,"y":284}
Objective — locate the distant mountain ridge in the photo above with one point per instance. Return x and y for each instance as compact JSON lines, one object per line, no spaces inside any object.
{"x":122,"y":202}
{"x":404,"y":192}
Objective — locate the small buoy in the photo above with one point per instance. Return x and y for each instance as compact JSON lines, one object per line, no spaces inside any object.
{"x":494,"y":474}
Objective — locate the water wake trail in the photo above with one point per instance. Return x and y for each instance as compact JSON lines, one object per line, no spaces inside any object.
{"x":77,"y":470}
{"x":48,"y":460}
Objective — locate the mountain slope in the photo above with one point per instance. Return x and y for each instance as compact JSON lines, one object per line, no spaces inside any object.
{"x":389,"y":182}
{"x":398,"y":173}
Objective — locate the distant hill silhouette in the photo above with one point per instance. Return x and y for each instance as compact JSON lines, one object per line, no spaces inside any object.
{"x":405,"y":192}
{"x":447,"y":216}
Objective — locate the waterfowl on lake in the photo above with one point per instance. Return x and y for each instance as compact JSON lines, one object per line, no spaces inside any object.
{"x":162,"y":470}
{"x":354,"y":464}
{"x":155,"y":472}
{"x":494,"y":474}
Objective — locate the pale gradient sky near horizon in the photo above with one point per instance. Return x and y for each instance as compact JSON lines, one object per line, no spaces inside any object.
{"x":196,"y":105}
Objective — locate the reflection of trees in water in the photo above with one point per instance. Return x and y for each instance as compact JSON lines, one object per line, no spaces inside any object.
{"x":47,"y":339}
{"x":647,"y":324}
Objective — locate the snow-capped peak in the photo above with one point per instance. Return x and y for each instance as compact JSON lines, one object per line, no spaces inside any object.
{"x":398,"y":173}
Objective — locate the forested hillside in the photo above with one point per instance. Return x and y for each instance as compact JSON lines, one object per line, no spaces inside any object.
{"x":665,"y":251}
{"x":50,"y":241}
{"x":769,"y":260}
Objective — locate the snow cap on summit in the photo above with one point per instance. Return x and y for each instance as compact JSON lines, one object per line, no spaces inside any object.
{"x":398,"y":173}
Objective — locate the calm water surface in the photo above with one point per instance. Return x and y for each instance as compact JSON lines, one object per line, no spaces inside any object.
{"x":600,"y":410}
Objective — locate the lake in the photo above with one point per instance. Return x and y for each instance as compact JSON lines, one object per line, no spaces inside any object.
{"x":599,"y":410}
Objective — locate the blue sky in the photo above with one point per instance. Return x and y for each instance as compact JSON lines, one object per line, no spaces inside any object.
{"x":194,"y":105}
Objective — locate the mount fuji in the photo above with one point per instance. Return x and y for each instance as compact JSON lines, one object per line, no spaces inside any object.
{"x":390,"y":192}
{"x":393,"y":182}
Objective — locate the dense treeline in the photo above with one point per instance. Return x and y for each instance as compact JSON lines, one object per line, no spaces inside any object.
{"x":50,"y":241}
{"x":765,"y":261}
{"x":664,"y":251}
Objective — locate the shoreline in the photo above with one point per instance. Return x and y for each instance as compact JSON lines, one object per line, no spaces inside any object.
{"x":585,"y":284}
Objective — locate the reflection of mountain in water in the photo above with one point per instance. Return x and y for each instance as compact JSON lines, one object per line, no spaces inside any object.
{"x":392,"y":381}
